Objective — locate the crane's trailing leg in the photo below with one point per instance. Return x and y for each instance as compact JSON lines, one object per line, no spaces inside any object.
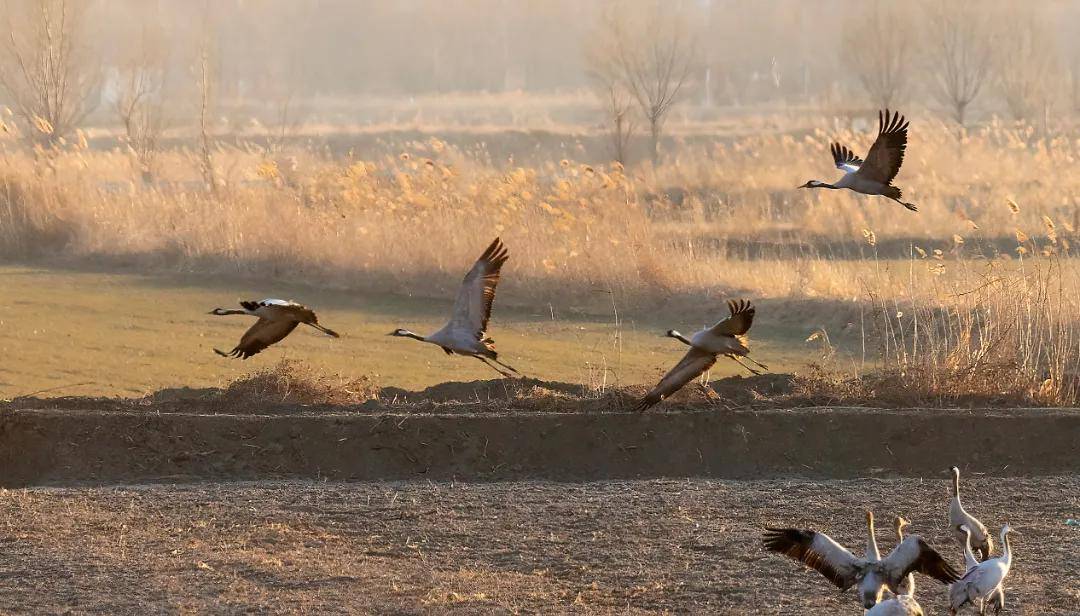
{"x":757,"y":363}
{"x":739,"y":361}
{"x":495,"y":368}
{"x":507,"y":366}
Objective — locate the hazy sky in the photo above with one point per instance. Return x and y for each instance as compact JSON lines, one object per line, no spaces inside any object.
{"x":754,"y":51}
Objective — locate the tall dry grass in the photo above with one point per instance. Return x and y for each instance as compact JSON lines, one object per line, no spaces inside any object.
{"x":1009,"y":338}
{"x":688,"y":227}
{"x":963,"y":290}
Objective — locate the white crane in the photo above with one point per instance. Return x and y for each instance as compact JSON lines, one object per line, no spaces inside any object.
{"x":997,"y":599}
{"x":980,"y":537}
{"x":903,"y":602}
{"x":466,"y":332}
{"x":982,"y":585}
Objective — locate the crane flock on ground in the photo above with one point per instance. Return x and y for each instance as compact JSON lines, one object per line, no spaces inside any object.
{"x":886,"y":585}
{"x":874,"y":577}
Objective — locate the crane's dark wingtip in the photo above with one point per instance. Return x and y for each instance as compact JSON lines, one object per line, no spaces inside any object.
{"x":645,"y":404}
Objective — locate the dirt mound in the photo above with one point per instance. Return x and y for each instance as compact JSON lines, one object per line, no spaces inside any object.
{"x":494,"y":390}
{"x":110,"y":446}
{"x":295,"y":382}
{"x":291,"y":388}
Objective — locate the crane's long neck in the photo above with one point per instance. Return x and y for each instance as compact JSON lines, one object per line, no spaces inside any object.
{"x":681,"y":338}
{"x":872,"y":552}
{"x":415,"y":336}
{"x":228,"y":311}
{"x":956,"y":485}
{"x":969,"y":556}
{"x":1006,"y":550}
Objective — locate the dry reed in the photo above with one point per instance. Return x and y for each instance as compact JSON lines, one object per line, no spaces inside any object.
{"x":969,"y":293}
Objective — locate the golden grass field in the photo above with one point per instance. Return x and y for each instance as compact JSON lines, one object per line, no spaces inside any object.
{"x":970,"y":292}
{"x":70,"y":332}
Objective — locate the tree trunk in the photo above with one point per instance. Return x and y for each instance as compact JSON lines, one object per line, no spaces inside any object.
{"x":961,"y":115}
{"x":620,"y":140}
{"x":654,"y":133}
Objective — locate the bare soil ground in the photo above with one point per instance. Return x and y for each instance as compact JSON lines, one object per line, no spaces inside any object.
{"x":688,"y":546}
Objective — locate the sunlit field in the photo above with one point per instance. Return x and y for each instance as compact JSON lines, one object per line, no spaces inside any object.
{"x":70,"y":332}
{"x":603,"y":258}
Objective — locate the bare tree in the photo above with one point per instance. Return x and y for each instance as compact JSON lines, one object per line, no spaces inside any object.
{"x":960,"y":48}
{"x":1028,"y":62}
{"x":206,"y":86}
{"x":288,"y":109}
{"x":139,"y":102}
{"x":876,"y":46}
{"x":606,"y":74}
{"x":619,"y":105}
{"x":653,"y":55}
{"x":51,"y":78}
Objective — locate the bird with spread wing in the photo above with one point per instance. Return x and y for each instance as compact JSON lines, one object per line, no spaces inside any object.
{"x":466,"y":332}
{"x":727,"y":337}
{"x":873,"y":176}
{"x":871,"y":574}
{"x":277,"y":319}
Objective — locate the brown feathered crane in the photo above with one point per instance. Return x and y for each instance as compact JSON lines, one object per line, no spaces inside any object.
{"x":277,"y":319}
{"x":727,"y":337}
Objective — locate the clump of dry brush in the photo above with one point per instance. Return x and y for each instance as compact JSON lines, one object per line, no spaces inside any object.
{"x":295,"y":382}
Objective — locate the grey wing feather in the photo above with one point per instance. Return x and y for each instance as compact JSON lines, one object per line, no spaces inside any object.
{"x":472,"y":308}
{"x":742,"y":317}
{"x":887,"y":154}
{"x":914,"y":554}
{"x":691,"y":366}
{"x":817,"y":551}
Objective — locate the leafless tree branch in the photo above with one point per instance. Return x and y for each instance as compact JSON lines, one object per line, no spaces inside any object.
{"x":876,"y":46}
{"x":652,"y":56}
{"x":139,"y":102}
{"x":52,"y":79}
{"x":961,"y":53}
